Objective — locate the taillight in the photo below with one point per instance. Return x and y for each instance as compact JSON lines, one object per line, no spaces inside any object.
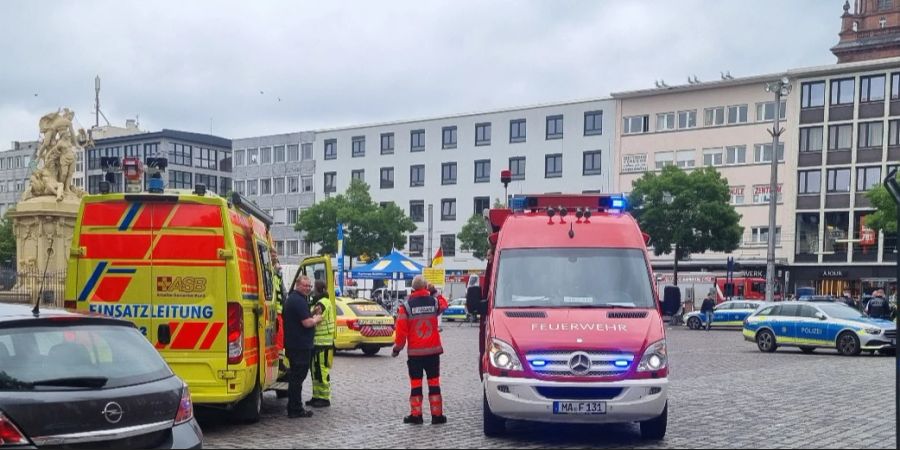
{"x":9,"y":434}
{"x":70,"y":305}
{"x":353,"y":324}
{"x":185,"y":407}
{"x":235,"y":333}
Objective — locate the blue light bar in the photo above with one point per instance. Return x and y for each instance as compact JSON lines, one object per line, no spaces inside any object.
{"x":517,"y":203}
{"x":539,"y":363}
{"x":618,"y":203}
{"x":621,"y":363}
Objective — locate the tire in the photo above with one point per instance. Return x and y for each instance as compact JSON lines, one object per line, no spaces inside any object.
{"x":694,"y":323}
{"x":655,"y":429}
{"x":370,"y":350}
{"x":765,"y":340}
{"x":848,"y":344}
{"x":249,"y":409}
{"x":494,"y":426}
{"x":807,"y":350}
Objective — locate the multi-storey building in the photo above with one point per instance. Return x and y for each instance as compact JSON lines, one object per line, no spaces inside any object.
{"x":15,"y":171}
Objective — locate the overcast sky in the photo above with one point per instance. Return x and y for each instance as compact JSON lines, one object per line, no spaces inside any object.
{"x":264,"y":67}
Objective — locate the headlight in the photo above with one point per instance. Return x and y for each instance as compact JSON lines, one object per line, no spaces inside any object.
{"x":655,"y":357}
{"x":875,"y":331}
{"x":503,"y":356}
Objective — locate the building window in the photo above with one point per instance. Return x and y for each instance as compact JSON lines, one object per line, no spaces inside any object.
{"x":265,"y":155}
{"x":293,"y":152}
{"x":279,"y":217}
{"x":358,"y":174}
{"x":811,"y":139}
{"x":807,"y":237}
{"x":448,"y":173}
{"x":762,"y":153}
{"x":252,"y":187}
{"x":592,"y":163}
{"x":737,"y":195}
{"x":483,"y":134}
{"x":481,"y":204}
{"x":517,"y":167}
{"x":417,"y":175}
{"x":279,"y":248}
{"x":153,"y":150}
{"x":359,"y":146}
{"x":840,"y":137}
{"x":180,"y":155}
{"x":387,"y":143}
{"x":448,"y":209}
{"x":265,"y":186}
{"x":330,"y":149}
{"x":663,"y":159}
{"x":838,"y":180}
{"x":871,"y":134}
{"x":483,"y":171}
{"x":308,"y":151}
{"x":292,"y":216}
{"x":417,"y":141}
{"x":387,"y":177}
{"x":812,"y":95}
{"x":737,"y":114}
{"x":636,"y":124}
{"x":894,"y":133}
{"x":293,"y":247}
{"x":871,"y":89}
{"x":308,"y":183}
{"x":761,"y":193}
{"x":416,"y":245}
{"x":665,"y":121}
{"x":895,"y":86}
{"x":448,"y":139}
{"x":278,"y":185}
{"x":736,"y":154}
{"x":239,"y":187}
{"x":252,"y":156}
{"x":687,"y":119}
{"x":516,"y":131}
{"x":809,"y":182}
{"x":713,"y":157}
{"x":884,"y":5}
{"x":279,"y":154}
{"x":293,"y":185}
{"x":760,"y":235}
{"x":842,"y":91}
{"x":868,"y":178}
{"x":593,"y":123}
{"x":554,"y":127}
{"x":765,"y":112}
{"x":448,"y":244}
{"x":180,"y":180}
{"x":417,"y":210}
{"x":205,"y":158}
{"x":553,"y":165}
{"x":714,"y":116}
{"x":330,"y":182}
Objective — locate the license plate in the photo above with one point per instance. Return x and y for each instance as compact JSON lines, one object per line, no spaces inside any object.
{"x":579,"y":407}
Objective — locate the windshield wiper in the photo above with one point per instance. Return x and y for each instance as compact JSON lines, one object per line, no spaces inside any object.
{"x":603,"y":306}
{"x":76,"y":382}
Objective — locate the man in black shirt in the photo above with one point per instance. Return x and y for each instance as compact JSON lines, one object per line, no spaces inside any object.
{"x":299,"y":330}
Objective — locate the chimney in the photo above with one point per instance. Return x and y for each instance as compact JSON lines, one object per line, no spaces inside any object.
{"x":131,"y":124}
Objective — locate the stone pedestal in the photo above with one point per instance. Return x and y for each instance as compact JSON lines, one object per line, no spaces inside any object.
{"x":44,"y":227}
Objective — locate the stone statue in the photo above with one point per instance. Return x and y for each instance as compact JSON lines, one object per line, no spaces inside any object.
{"x":56,"y":157}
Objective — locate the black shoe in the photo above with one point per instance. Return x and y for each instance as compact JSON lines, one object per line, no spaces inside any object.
{"x":438,"y":420}
{"x":319,"y":403}
{"x":415,"y":420}
{"x":299,"y":414}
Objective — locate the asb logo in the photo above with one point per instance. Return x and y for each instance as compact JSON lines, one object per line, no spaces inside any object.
{"x":180,"y":284}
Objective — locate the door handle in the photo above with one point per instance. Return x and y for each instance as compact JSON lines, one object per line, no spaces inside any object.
{"x":164,"y":334}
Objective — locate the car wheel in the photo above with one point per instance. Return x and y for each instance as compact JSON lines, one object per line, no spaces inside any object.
{"x":249,"y":409}
{"x":765,"y":340}
{"x":370,"y":350}
{"x":807,"y":350}
{"x":848,"y":344}
{"x":655,"y":428}
{"x":493,"y":425}
{"x":694,"y":323}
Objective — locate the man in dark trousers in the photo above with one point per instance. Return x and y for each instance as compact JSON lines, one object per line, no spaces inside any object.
{"x":417,"y":329}
{"x":299,"y":331}
{"x":708,"y":309}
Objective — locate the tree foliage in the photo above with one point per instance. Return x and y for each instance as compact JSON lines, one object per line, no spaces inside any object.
{"x":369,"y":228}
{"x":885,"y":218}
{"x":7,"y":241}
{"x":474,"y":237}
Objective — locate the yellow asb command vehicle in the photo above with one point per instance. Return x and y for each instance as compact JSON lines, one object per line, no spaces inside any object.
{"x":363,"y":324}
{"x":194,"y":273}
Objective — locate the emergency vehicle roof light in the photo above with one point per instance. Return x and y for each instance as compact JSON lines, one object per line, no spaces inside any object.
{"x":245,"y":205}
{"x":200,"y":189}
{"x":588,"y":202}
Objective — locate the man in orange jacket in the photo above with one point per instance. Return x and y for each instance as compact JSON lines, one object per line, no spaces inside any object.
{"x":417,"y":327}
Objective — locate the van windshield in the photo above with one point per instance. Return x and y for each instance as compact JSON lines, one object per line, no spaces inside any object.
{"x":573,"y":278}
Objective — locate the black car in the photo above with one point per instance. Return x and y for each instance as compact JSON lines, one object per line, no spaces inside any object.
{"x":70,"y":380}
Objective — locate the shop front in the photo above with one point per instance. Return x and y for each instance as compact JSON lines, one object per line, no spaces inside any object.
{"x":834,"y":280}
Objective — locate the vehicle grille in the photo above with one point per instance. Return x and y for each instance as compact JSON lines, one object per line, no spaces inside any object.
{"x":602,"y":363}
{"x":149,"y":440}
{"x":577,"y":393}
{"x":526,"y":314}
{"x":626,"y":314}
{"x":890,"y":334}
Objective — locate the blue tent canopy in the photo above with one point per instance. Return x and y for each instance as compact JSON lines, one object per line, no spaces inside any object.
{"x":394,"y":266}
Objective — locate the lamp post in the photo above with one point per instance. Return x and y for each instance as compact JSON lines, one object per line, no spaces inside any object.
{"x":780,"y":88}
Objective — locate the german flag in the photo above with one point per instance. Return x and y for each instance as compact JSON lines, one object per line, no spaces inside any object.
{"x":438,"y":260}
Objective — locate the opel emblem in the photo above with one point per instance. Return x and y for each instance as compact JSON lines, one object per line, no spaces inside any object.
{"x":113,"y":412}
{"x":580,"y":363}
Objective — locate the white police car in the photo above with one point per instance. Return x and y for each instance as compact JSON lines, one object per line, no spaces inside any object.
{"x":819,"y":325}
{"x":727,"y":314}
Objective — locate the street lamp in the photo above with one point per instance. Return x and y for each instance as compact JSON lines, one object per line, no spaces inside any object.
{"x":781,"y":88}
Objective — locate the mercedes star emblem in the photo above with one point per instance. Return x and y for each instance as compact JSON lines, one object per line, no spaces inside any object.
{"x":580,"y":363}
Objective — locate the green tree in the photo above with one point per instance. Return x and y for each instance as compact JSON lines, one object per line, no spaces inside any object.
{"x":368,"y":228}
{"x":885,"y":218}
{"x":498,"y":203}
{"x":686,"y":213}
{"x":474,"y":237}
{"x":7,"y":241}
